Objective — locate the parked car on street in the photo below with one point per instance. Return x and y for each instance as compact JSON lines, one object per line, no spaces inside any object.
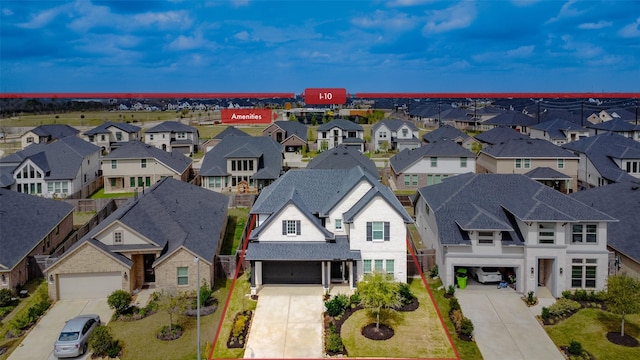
{"x":74,"y":337}
{"x":486,"y":274}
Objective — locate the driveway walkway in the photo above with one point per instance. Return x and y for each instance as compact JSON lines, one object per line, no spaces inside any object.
{"x":287,"y":323}
{"x":504,"y":328}
{"x":38,"y":344}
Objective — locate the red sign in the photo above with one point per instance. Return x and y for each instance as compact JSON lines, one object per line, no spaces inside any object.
{"x":246,"y":116}
{"x":325,"y":96}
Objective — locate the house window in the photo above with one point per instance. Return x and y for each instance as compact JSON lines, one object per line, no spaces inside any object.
{"x":584,"y":233}
{"x":182,"y":135}
{"x":378,"y":266}
{"x":143,"y":163}
{"x":290,"y":227}
{"x":383,"y":134}
{"x":527,"y":163}
{"x":434,"y":162}
{"x":583,"y":273}
{"x":151,"y":137}
{"x":560,"y":163}
{"x":132,"y":182}
{"x":113,"y":182}
{"x":183,"y":275}
{"x":407,"y":180}
{"x":546,"y":233}
{"x":414,"y":180}
{"x":214,"y":181}
{"x":378,"y":231}
{"x":118,"y":136}
{"x":117,"y":237}
{"x":114,"y":164}
{"x":518,"y":163}
{"x":29,"y":139}
{"x":366,"y":266}
{"x":390,"y":268}
{"x":338,"y":224}
{"x":405,"y":132}
{"x":485,"y":237}
{"x":147,"y":181}
{"x":429,"y":180}
{"x":463,"y":162}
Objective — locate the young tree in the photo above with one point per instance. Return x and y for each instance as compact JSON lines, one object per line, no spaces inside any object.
{"x":378,"y":292}
{"x":172,"y":302}
{"x":623,"y":296}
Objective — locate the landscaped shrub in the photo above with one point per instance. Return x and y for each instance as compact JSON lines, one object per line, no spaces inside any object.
{"x":334,"y":343}
{"x":563,"y":307}
{"x":355,"y":299}
{"x":102,"y":342}
{"x":574,"y":348}
{"x":456,"y":318}
{"x":434,"y":271}
{"x":580,"y":295}
{"x":453,"y":305}
{"x":466,"y":326}
{"x":6,"y":297}
{"x":205,"y":293}
{"x":567,"y":294}
{"x":119,"y":301}
{"x":239,"y":325}
{"x":27,"y":317}
{"x":406,"y":294}
{"x":451,"y":290}
{"x":546,"y":314}
{"x":337,"y":305}
{"x":531,"y":299}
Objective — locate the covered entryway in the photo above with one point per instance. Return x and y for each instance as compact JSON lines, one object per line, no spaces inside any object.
{"x":291,"y":272}
{"x":88,"y":285}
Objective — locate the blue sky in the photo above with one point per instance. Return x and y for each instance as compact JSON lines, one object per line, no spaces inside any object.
{"x":287,"y":46}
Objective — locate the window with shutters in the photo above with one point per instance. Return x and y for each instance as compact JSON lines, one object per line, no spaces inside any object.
{"x":378,"y":231}
{"x":290,"y":227}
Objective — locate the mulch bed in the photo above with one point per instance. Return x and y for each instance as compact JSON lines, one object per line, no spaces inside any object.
{"x":176,"y":332}
{"x":585,"y":354}
{"x":382,"y":332}
{"x":626,"y":340}
{"x":338,"y":322}
{"x":3,"y":350}
{"x":204,"y":310}
{"x":412,"y":306}
{"x":239,"y":342}
{"x":585,"y":305}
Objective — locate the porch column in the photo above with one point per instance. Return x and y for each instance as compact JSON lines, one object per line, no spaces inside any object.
{"x":325,"y":284}
{"x":351,"y":268}
{"x":354,"y":274}
{"x":253,"y":277}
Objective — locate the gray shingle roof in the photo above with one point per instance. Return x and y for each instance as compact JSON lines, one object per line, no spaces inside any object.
{"x":556,"y":129}
{"x":442,"y":148}
{"x":341,"y":124}
{"x":501,"y":198}
{"x":302,"y":251}
{"x":444,"y":132}
{"x":511,"y":118}
{"x":616,"y":124}
{"x":103,"y":129}
{"x":500,"y":134}
{"x":343,"y":157}
{"x":172,"y":126}
{"x":266,"y":149}
{"x":393,"y":125}
{"x":546,"y":173}
{"x":24,"y":221}
{"x":601,"y":150}
{"x":139,"y":150}
{"x":55,"y":131}
{"x":621,"y":235}
{"x":527,"y":148}
{"x":293,"y":128}
{"x":230,"y":130}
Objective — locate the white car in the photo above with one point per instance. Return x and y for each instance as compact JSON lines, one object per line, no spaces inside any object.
{"x":486,"y":274}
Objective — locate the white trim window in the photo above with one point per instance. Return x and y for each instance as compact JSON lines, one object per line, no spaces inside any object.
{"x":584,"y":273}
{"x":485,"y":237}
{"x":291,"y":227}
{"x":378,"y":231}
{"x":366,"y":266}
{"x":338,"y":224}
{"x":546,"y":233}
{"x":560,"y":163}
{"x":118,"y":237}
{"x":183,"y":276}
{"x":584,"y":233}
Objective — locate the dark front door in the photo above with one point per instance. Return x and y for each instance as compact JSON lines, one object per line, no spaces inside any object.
{"x":339,"y":272}
{"x":149,"y":273}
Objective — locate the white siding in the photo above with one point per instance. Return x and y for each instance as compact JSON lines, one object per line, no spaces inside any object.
{"x":273,"y":231}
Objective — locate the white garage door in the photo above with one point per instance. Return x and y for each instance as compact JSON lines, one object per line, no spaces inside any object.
{"x":88,"y":285}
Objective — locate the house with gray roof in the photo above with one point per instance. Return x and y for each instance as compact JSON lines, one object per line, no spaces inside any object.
{"x":343,"y":157}
{"x":558,"y":131}
{"x":622,"y":236}
{"x":611,"y":114}
{"x":618,"y":126}
{"x":520,"y":156}
{"x":394,"y":134}
{"x":241,"y":164}
{"x":450,"y":133}
{"x":229,"y":130}
{"x":291,"y":134}
{"x":430,"y":164}
{"x":136,"y":165}
{"x":173,"y":135}
{"x":340,"y":131}
{"x":111,"y":135}
{"x":518,"y":225}
{"x":151,"y":241}
{"x":606,"y":159}
{"x":30,"y":226}
{"x":499,"y":135}
{"x":47,"y":133}
{"x":56,"y":169}
{"x":324,"y":227}
{"x":513,"y":119}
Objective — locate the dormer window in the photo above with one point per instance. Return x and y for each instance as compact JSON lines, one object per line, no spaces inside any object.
{"x":338,"y":223}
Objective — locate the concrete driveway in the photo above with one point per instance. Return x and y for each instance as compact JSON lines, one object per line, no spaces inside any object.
{"x":287,"y":323}
{"x":38,"y":344}
{"x":504,"y":327}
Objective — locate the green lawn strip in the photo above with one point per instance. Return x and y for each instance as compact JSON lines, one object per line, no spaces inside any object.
{"x":91,"y":118}
{"x":418,"y":334}
{"x":235,"y":226}
{"x":590,"y":326}
{"x":101,"y":195}
{"x":81,"y":218}
{"x":468,"y":350}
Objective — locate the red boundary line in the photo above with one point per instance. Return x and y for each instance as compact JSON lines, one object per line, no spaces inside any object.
{"x":482,"y":95}
{"x":146,"y":95}
{"x":233,"y":284}
{"x":424,"y":282}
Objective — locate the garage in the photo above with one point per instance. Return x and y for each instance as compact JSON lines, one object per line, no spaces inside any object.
{"x":88,"y":285}
{"x":291,"y":272}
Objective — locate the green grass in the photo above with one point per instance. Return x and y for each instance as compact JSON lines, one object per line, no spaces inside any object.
{"x":209,"y":131}
{"x":418,"y":334}
{"x":235,"y":226}
{"x":590,"y":326}
{"x":101,"y":195}
{"x":91,"y":118}
{"x":468,"y":350}
{"x":81,"y":218}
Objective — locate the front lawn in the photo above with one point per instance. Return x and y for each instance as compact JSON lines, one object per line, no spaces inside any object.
{"x":418,"y":334}
{"x":590,"y":326}
{"x":101,"y":195}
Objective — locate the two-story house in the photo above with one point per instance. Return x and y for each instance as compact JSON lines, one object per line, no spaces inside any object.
{"x":513,"y":119}
{"x":430,"y":164}
{"x":520,"y":156}
{"x":111,"y":135}
{"x":499,"y":135}
{"x":161,"y":239}
{"x":173,"y":135}
{"x":57,"y":169}
{"x":47,"y":133}
{"x":448,"y":132}
{"x":618,"y":126}
{"x":394,"y":134}
{"x":340,"y":131}
{"x":29,"y":226}
{"x":606,"y":159}
{"x":291,"y":134}
{"x":343,"y":157}
{"x":241,"y":164}
{"x":135,"y":166}
{"x":229,"y":130}
{"x":558,"y":131}
{"x":611,"y":114}
{"x":511,"y":222}
{"x":326,"y":226}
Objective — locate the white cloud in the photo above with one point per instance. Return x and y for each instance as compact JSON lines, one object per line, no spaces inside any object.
{"x":7,"y":12}
{"x":595,"y":26}
{"x":566,"y":11}
{"x":458,"y":16}
{"x":498,"y":56}
{"x":404,"y":3}
{"x":182,"y":43}
{"x":164,"y":19}
{"x":385,"y":20}
{"x":632,"y":30}
{"x":580,"y":49}
{"x":242,"y":36}
{"x":239,"y":3}
{"x":43,"y":18}
{"x":522,"y":51}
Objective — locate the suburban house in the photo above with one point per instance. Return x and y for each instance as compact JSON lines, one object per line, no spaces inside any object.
{"x":546,"y":238}
{"x":606,"y":159}
{"x":241,"y":164}
{"x":449,"y":132}
{"x":459,"y":118}
{"x":173,"y":135}
{"x":513,"y":119}
{"x":394,"y":134}
{"x":520,"y":156}
{"x":47,"y":133}
{"x":111,"y":135}
{"x":622,"y":236}
{"x":291,"y":134}
{"x":29,"y":226}
{"x":324,"y":227}
{"x":340,"y":131}
{"x":558,"y":131}
{"x":229,"y":130}
{"x":136,"y":165}
{"x":343,"y":157}
{"x":618,"y":126}
{"x":611,"y":114}
{"x":430,"y":164}
{"x":151,"y":241}
{"x":57,"y":169}
{"x":499,"y":135}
